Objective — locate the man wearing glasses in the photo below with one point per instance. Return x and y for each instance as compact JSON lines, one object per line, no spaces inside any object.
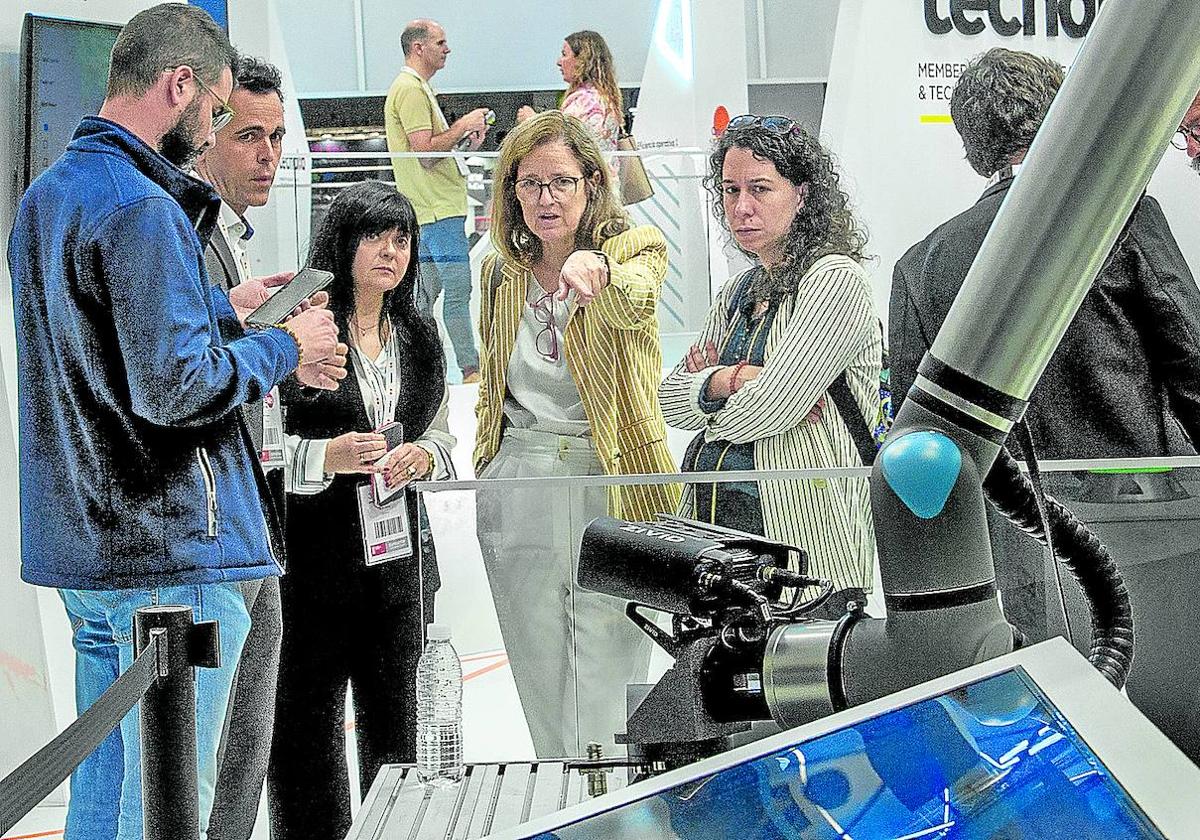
{"x":1187,"y":139}
{"x":1125,"y":381}
{"x":137,"y":485}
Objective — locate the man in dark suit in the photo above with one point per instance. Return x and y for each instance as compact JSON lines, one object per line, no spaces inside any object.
{"x":241,"y":167}
{"x":1125,"y":381}
{"x":1187,"y":139}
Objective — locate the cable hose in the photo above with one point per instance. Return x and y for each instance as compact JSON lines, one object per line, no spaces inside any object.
{"x":1085,"y":557}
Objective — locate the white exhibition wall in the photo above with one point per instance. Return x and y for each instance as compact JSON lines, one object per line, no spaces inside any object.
{"x":887,"y":119}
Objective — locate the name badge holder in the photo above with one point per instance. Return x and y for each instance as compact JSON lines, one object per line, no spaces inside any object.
{"x":385,"y":528}
{"x":272,"y":455}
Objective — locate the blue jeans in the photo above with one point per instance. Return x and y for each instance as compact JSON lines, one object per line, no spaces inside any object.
{"x":446,"y":264}
{"x":106,"y":788}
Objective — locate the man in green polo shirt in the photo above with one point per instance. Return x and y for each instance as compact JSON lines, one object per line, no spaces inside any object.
{"x":437,"y":186}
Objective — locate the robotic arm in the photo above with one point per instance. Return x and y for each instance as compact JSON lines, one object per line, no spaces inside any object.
{"x":1125,"y":95}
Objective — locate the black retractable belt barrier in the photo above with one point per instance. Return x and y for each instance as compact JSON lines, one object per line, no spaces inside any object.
{"x":167,"y":644}
{"x":170,"y":805}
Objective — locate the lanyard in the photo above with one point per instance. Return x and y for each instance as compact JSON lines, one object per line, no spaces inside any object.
{"x":379,"y":382}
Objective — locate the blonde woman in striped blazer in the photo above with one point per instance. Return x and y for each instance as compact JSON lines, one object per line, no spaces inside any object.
{"x":570,"y":364}
{"x":755,"y":386}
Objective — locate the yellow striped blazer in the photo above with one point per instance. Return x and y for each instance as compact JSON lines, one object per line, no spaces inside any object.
{"x":612,"y":350}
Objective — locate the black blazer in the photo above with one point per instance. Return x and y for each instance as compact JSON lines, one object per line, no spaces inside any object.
{"x":324,"y":534}
{"x":1127,"y":373}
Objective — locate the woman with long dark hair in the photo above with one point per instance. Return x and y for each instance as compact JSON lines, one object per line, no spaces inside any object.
{"x":361,"y":569}
{"x":781,"y":339}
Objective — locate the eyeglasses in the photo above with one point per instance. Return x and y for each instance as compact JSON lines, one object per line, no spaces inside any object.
{"x":543,"y":313}
{"x":776,"y":124}
{"x":564,"y":186}
{"x":1180,"y":138}
{"x":222,"y":114}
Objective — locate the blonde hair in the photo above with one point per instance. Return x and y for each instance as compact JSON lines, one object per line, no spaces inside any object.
{"x":603,"y":217}
{"x":595,"y":66}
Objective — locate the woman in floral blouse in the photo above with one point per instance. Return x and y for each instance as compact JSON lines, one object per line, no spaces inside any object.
{"x":592,"y":93}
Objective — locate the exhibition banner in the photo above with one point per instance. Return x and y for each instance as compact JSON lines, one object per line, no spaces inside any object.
{"x":887,"y":113}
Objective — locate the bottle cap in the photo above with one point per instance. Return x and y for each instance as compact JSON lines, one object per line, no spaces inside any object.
{"x":438,"y":633}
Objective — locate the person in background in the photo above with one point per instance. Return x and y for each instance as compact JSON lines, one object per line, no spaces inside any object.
{"x":757,"y":386}
{"x":1187,"y":139}
{"x":570,"y":362}
{"x":361,"y":576}
{"x":1125,"y":380}
{"x":592,"y":95}
{"x":437,"y":186}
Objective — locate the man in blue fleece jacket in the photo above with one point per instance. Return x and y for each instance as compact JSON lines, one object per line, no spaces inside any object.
{"x":138,"y":483}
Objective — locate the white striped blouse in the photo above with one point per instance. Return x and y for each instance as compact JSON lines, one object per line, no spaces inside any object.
{"x":827,"y":326}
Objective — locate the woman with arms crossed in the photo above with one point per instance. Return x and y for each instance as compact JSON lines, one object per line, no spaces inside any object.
{"x":756,"y":385}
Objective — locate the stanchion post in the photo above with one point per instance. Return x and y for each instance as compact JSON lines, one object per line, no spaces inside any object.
{"x":170,"y":805}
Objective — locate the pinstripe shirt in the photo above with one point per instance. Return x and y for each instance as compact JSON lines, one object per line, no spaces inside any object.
{"x":612,"y":350}
{"x":827,"y":326}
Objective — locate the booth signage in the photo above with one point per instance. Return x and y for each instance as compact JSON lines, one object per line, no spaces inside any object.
{"x":1073,"y":18}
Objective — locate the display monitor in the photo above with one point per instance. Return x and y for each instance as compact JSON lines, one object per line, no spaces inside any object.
{"x":64,"y":73}
{"x":1035,"y":745}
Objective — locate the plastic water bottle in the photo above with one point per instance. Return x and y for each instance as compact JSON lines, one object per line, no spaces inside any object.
{"x":439,"y":710}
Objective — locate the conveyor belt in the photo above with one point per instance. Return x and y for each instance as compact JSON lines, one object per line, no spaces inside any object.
{"x":490,"y":797}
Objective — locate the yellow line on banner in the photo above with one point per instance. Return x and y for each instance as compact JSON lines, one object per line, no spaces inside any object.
{"x":936,"y":118}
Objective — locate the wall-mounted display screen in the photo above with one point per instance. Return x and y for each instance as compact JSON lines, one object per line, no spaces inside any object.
{"x":64,"y":72}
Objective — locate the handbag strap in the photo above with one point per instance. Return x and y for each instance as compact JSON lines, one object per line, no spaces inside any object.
{"x":846,"y":405}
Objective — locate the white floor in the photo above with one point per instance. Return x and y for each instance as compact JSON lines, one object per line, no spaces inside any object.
{"x":494,"y":727}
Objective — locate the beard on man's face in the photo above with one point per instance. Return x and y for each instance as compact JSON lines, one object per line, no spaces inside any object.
{"x":179,"y":144}
{"x":1196,"y":164}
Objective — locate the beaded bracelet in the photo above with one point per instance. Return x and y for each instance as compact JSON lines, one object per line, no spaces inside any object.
{"x":295,"y":338}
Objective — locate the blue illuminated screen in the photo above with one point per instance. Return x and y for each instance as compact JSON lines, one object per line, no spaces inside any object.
{"x":993,"y":759}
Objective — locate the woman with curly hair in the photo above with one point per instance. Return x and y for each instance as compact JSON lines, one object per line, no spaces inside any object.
{"x":757,"y":385}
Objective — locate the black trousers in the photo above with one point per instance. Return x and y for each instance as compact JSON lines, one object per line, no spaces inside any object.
{"x":334,"y":637}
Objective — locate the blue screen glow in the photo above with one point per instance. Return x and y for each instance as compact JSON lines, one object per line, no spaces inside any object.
{"x":989,"y":760}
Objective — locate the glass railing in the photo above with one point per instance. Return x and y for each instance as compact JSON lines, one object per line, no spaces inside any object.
{"x":700,"y":259}
{"x":547,"y":663}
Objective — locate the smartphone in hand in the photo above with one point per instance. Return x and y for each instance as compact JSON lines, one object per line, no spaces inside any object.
{"x":306,"y":283}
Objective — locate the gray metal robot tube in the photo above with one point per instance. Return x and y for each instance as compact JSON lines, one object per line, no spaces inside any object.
{"x":1123,"y":98}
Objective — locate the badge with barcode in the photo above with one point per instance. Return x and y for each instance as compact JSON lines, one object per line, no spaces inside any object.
{"x":386,"y":534}
{"x":271,"y":456}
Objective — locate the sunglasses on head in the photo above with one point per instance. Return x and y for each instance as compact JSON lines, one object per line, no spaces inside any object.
{"x":776,"y":124}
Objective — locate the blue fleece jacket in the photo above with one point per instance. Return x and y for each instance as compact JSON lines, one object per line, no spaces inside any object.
{"x":136,"y":468}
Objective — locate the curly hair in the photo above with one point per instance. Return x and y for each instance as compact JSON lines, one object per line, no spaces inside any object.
{"x":824,"y":225}
{"x":596,"y":67}
{"x":603,"y":218}
{"x":999,"y":103}
{"x":258,"y":76}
